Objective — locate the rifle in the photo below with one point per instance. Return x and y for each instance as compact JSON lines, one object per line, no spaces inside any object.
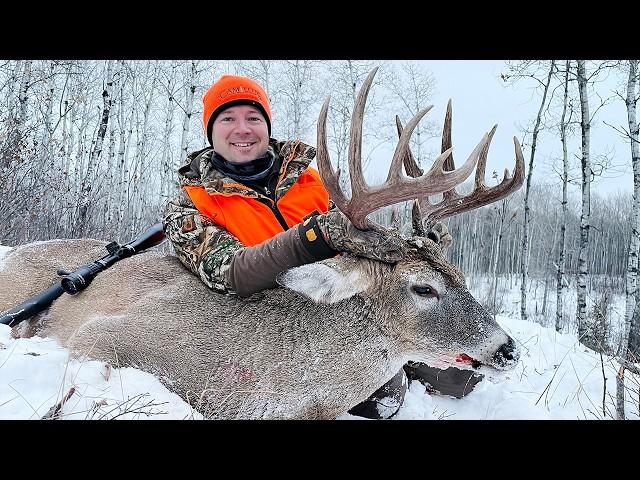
{"x":79,"y":279}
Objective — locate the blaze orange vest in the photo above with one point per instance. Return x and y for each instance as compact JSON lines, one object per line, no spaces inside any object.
{"x":251,"y":221}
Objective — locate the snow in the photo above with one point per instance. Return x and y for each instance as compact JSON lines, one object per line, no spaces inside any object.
{"x":3,"y":251}
{"x":556,"y":378}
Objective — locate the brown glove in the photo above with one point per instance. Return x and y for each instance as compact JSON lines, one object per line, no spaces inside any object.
{"x":343,"y":236}
{"x":439,"y":233}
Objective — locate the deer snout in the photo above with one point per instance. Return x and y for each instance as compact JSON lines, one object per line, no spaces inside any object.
{"x":507,"y":355}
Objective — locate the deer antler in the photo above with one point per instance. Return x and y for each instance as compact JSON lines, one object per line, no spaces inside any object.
{"x":397,"y":188}
{"x":452,"y":203}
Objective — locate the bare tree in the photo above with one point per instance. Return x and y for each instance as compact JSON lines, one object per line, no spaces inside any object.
{"x":524,"y":261}
{"x":634,"y":242}
{"x":167,"y":164}
{"x":564,"y":121}
{"x":501,"y":212}
{"x":190,"y":89}
{"x":84,"y":201}
{"x":630,"y":340}
{"x":585,"y":333}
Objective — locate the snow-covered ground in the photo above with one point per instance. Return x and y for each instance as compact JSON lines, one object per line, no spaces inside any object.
{"x":556,"y":378}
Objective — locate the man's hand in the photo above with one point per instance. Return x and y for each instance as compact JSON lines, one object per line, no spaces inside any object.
{"x":343,"y":236}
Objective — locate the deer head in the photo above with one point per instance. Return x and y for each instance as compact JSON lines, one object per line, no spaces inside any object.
{"x":424,"y":286}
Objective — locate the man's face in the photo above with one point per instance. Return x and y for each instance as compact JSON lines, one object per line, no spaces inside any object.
{"x":240,"y":134}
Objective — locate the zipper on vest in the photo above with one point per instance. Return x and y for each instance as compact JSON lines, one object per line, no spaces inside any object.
{"x":274,"y":208}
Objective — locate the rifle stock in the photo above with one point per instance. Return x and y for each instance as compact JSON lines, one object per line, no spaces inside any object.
{"x":80,"y":278}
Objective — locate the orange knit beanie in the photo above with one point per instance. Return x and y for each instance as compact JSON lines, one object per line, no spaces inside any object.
{"x":232,"y":90}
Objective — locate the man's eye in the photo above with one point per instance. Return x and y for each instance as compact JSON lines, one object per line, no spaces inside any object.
{"x":425,"y":291}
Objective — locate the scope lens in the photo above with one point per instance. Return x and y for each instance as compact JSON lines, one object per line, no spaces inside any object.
{"x":69,"y":285}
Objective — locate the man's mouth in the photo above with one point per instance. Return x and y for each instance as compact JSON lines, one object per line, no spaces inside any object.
{"x":243,"y":144}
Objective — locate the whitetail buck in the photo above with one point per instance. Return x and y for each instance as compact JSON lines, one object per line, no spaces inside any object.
{"x":327,"y":339}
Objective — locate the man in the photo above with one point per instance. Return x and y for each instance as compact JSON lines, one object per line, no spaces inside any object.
{"x":251,"y":208}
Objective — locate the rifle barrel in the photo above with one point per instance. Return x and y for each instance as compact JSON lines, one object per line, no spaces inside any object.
{"x":32,"y":306}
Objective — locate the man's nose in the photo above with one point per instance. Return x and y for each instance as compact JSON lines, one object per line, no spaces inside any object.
{"x":243,"y":126}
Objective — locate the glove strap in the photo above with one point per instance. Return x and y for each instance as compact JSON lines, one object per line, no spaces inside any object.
{"x":313,"y":240}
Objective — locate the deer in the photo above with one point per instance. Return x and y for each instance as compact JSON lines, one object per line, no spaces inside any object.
{"x":332,"y":332}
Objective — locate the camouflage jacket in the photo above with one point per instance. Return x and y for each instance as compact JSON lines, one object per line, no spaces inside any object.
{"x":202,"y":246}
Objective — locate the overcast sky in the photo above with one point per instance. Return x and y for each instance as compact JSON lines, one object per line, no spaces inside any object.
{"x":481,"y":99}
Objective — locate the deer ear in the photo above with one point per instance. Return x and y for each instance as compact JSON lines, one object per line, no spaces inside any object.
{"x":324,"y":282}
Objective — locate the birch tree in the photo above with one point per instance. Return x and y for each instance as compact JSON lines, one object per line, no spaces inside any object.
{"x":16,"y":110}
{"x":187,"y":107}
{"x":634,"y":241}
{"x":585,"y":332}
{"x":86,"y":185}
{"x":564,"y":121}
{"x":631,"y":338}
{"x":501,"y":213}
{"x":524,"y":261}
{"x":167,"y":163}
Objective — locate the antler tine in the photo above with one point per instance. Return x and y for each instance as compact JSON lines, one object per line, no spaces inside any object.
{"x":481,"y":195}
{"x":422,"y":207}
{"x":441,"y":180}
{"x":410,"y":164}
{"x":330,"y":178}
{"x":358,"y":183}
{"x":413,"y":170}
{"x":446,"y":138}
{"x":482,"y":163}
{"x":402,"y":148}
{"x":451,"y":196}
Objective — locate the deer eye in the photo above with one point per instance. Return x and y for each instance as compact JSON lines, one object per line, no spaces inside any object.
{"x":425,"y":291}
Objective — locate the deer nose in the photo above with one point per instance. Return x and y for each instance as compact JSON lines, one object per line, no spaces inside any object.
{"x":507,"y":354}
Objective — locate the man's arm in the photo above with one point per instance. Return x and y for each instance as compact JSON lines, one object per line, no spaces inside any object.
{"x":226,"y":265}
{"x":223,"y":263}
{"x":203,"y":247}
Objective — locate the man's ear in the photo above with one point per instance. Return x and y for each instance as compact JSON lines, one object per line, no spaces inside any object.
{"x":325,"y":282}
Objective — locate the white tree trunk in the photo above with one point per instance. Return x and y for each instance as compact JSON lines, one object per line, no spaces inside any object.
{"x":502,"y":213}
{"x":584,"y":330}
{"x":81,"y":219}
{"x":563,"y":227}
{"x":634,"y":243}
{"x":120,"y":160}
{"x":524,"y":263}
{"x":140,"y":198}
{"x":188,"y":111}
{"x":23,"y":95}
{"x":166,"y":163}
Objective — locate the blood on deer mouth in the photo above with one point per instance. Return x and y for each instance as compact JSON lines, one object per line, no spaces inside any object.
{"x":466,"y":359}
